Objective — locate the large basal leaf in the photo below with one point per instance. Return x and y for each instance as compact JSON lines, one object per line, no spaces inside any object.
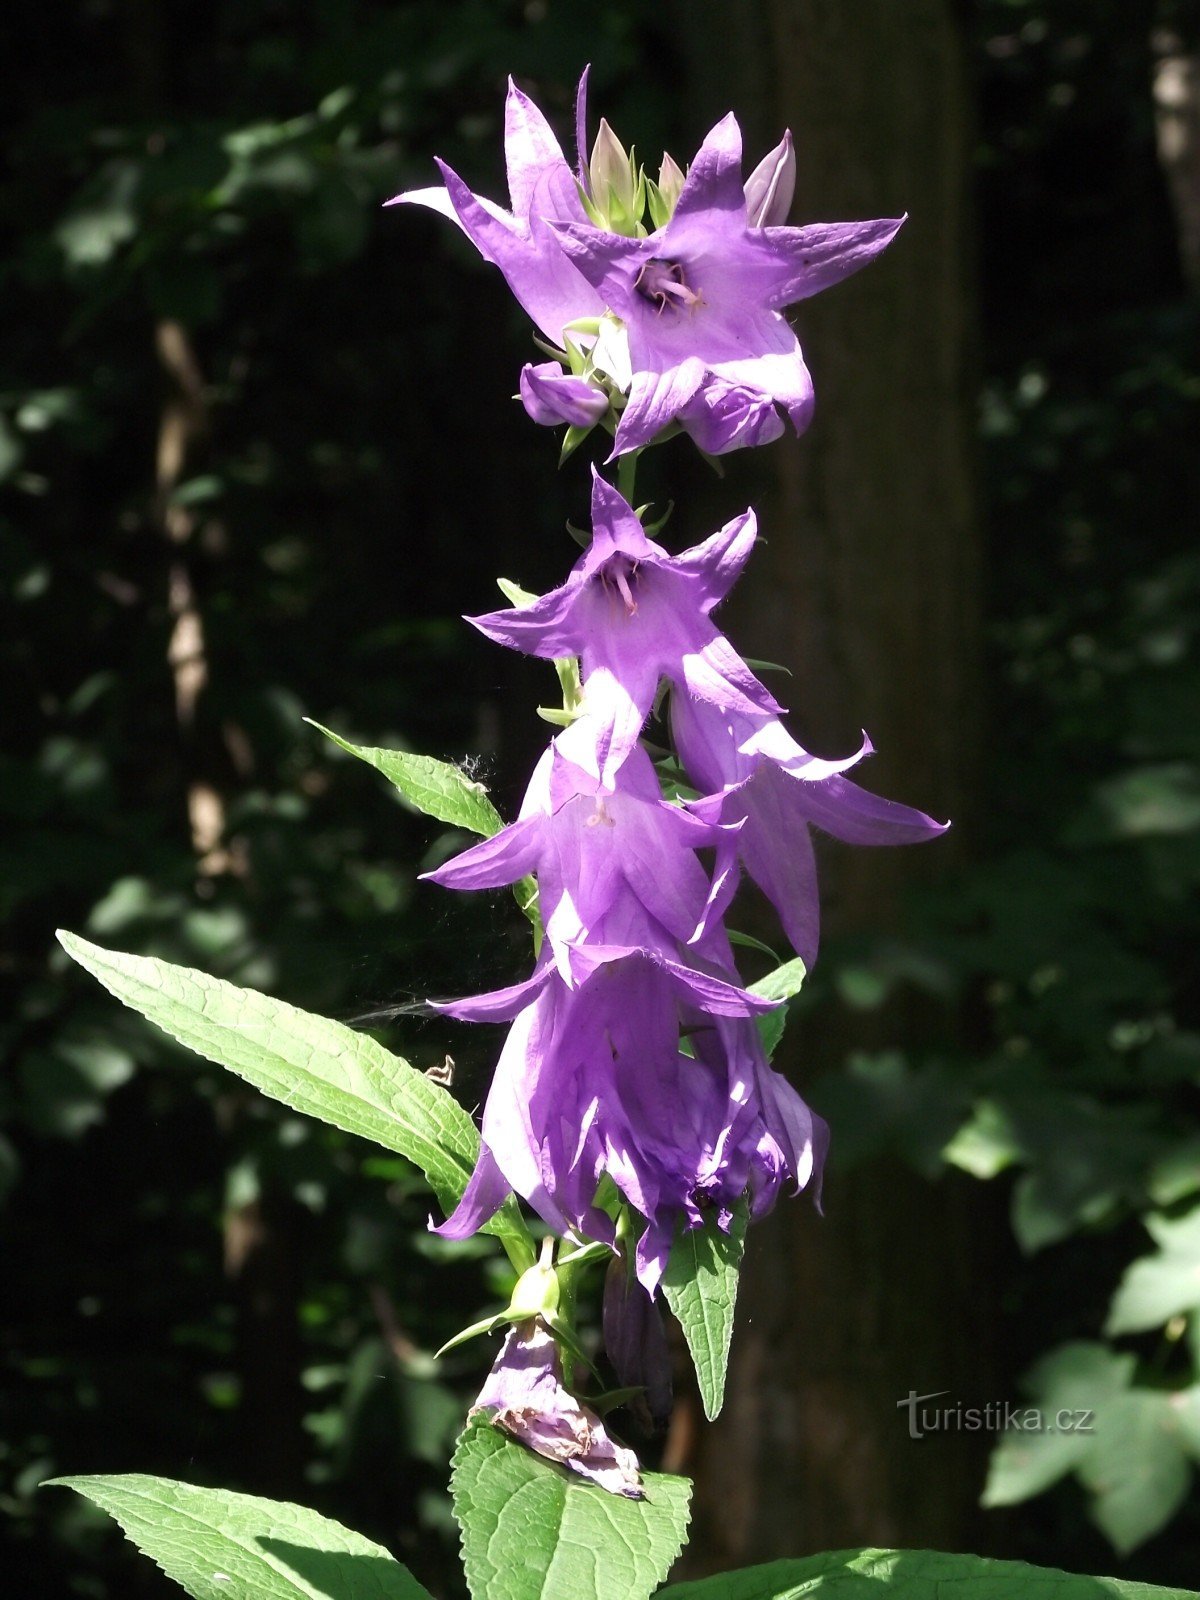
{"x":313,"y":1064}
{"x":532,"y":1531}
{"x":224,"y":1546}
{"x":911,"y":1575}
{"x":701,"y":1284}
{"x":438,"y":788}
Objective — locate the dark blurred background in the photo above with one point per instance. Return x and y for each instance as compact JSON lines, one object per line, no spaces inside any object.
{"x":258,"y":453}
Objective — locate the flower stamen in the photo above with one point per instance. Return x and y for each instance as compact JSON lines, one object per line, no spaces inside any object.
{"x":663,"y":283}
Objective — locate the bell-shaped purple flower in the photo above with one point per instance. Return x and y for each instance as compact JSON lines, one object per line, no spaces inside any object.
{"x":615,"y":866}
{"x":702,"y":297}
{"x":591,"y":1080}
{"x":634,"y":614}
{"x":527,"y":1396}
{"x":753,"y":773}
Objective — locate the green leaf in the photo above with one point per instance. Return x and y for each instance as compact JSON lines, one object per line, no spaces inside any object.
{"x":911,"y":1575}
{"x":224,"y":1546}
{"x":1159,"y":1287}
{"x":532,"y":1531}
{"x":701,"y":1284}
{"x":781,"y":984}
{"x":313,"y":1064}
{"x":1137,"y":1469}
{"x":438,"y":788}
{"x":441,"y":790}
{"x":1074,"y":1377}
{"x":1132,"y":1456}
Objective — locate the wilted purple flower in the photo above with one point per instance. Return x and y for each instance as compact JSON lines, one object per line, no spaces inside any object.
{"x":591,"y":1080}
{"x":697,"y":301}
{"x":753,"y":772}
{"x":528,"y":1397}
{"x":552,"y":396}
{"x":634,"y":614}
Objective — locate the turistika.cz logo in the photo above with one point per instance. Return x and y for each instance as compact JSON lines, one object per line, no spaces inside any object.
{"x":997,"y":1416}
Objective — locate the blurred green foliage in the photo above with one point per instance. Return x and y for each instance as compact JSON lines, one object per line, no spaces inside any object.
{"x":201,"y":1284}
{"x":1073,"y":946}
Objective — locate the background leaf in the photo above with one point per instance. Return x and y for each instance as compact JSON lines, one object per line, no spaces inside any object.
{"x":530,"y":1531}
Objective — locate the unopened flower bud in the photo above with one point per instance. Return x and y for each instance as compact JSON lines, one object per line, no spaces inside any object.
{"x":670,"y":180}
{"x":552,"y":396}
{"x":770,"y":187}
{"x":536,"y":1294}
{"x":614,"y":182}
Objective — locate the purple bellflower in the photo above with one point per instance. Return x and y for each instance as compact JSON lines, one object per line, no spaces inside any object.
{"x":528,"y":1398}
{"x":591,"y":1080}
{"x":694,"y":306}
{"x":753,"y":773}
{"x":614,"y":866}
{"x":634,"y":614}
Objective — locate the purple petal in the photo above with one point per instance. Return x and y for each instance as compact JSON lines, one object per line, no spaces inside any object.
{"x":552,"y":396}
{"x":539,"y":275}
{"x":656,"y":399}
{"x":714,"y":182}
{"x":537,"y":169}
{"x":502,"y":859}
{"x":486,"y":1192}
{"x":717,"y":562}
{"x":856,"y":816}
{"x":810,"y":259}
{"x":581,"y":126}
{"x":497,"y":1005}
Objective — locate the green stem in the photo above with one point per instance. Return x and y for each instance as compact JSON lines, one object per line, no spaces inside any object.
{"x":627,"y":474}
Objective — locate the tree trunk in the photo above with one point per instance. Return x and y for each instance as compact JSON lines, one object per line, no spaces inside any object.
{"x":866,"y":586}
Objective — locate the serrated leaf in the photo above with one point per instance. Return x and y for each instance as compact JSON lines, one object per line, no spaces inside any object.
{"x":313,"y":1064}
{"x":912,"y":1575}
{"x":438,"y":788}
{"x":225,"y":1546}
{"x":532,"y":1531}
{"x":701,"y":1284}
{"x":786,"y":981}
